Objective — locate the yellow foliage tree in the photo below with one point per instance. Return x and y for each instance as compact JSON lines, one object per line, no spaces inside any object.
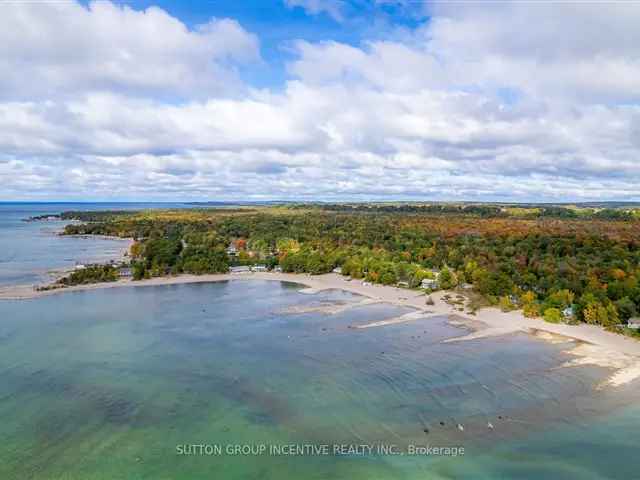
{"x":531,"y":310}
{"x":505,"y":304}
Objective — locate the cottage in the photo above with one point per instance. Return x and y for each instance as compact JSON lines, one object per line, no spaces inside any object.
{"x":232,"y":250}
{"x":239,"y":270}
{"x":337,"y":270}
{"x":634,"y":323}
{"x":124,"y":272}
{"x":430,"y":283}
{"x":568,"y":312}
{"x":79,"y":266}
{"x":466,"y":286}
{"x":259,"y":268}
{"x":403,"y":284}
{"x":277,"y":269}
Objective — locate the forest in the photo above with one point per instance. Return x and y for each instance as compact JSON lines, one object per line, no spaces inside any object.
{"x":578,"y":267}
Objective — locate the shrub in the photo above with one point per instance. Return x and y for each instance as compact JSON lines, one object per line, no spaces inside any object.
{"x":552,"y":315}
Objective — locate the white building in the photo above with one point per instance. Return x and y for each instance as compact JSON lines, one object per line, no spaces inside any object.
{"x":259,"y":268}
{"x":240,"y":269}
{"x":125,"y":272}
{"x":568,"y":312}
{"x":337,"y":270}
{"x":430,"y":283}
{"x":634,"y":323}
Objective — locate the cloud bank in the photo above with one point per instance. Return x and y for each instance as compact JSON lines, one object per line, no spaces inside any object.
{"x":512,"y":101}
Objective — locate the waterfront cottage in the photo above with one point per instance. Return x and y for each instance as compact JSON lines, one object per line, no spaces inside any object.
{"x":430,"y":283}
{"x":240,"y":269}
{"x":634,"y":323}
{"x":124,"y":272}
{"x":259,"y":268}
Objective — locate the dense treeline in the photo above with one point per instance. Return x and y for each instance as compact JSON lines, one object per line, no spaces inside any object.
{"x":435,"y":209}
{"x":98,"y":216}
{"x":488,"y":211}
{"x":559,"y":268}
{"x":90,"y":274}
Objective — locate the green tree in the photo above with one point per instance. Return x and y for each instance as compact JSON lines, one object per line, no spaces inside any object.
{"x":446,"y":279}
{"x":553,"y":315}
{"x":626,"y":308}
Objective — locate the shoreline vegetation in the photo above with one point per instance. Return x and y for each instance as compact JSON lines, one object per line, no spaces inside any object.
{"x":564,"y":270}
{"x":565,"y":264}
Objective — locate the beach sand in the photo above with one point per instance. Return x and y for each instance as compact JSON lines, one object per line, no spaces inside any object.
{"x":590,"y":344}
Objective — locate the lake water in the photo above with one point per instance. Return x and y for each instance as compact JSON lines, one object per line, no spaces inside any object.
{"x":117,"y":383}
{"x":120,"y":383}
{"x":29,"y":251}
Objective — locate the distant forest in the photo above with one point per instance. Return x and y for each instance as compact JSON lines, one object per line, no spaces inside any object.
{"x":564,"y":263}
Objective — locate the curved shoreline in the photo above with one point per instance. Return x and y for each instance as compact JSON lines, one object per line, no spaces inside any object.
{"x":606,"y":349}
{"x":492,"y":318}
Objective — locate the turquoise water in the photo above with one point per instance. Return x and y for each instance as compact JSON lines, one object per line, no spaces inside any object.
{"x":30,"y":250}
{"x":111,"y":384}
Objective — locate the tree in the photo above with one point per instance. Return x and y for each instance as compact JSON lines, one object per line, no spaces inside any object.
{"x":505,"y":304}
{"x":138,"y":271}
{"x":446,"y":279}
{"x":388,"y":278}
{"x":552,"y":315}
{"x":626,"y":308}
{"x":353,"y":268}
{"x":528,"y":297}
{"x":287,"y":245}
{"x":315,"y":264}
{"x":531,"y":310}
{"x":492,"y":283}
{"x":560,"y":299}
{"x":598,"y":314}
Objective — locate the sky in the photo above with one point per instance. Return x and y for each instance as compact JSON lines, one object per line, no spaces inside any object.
{"x":507,"y":101}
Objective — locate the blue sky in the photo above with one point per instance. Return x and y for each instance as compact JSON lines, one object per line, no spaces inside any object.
{"x":319,"y":99}
{"x":278,"y":25}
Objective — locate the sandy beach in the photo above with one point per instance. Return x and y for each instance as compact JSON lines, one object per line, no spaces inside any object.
{"x":590,"y":344}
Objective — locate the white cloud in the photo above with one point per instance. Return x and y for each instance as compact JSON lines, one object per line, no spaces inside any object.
{"x":333,"y":8}
{"x":580,"y":51}
{"x":508,"y":102}
{"x":57,"y":48}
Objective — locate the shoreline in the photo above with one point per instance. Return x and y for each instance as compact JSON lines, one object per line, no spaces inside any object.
{"x":590,"y":344}
{"x":57,"y":274}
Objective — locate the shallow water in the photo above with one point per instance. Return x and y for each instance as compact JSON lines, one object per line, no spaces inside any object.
{"x":29,"y":251}
{"x":111,"y":383}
